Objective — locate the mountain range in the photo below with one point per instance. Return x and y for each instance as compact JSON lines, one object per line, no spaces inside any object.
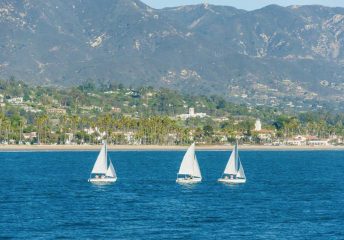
{"x":266,"y":56}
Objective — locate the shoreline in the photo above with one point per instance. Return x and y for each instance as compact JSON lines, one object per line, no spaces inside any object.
{"x":33,"y":148}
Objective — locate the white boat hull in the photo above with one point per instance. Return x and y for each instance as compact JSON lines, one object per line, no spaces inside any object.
{"x":188,"y":180}
{"x":232,"y":181}
{"x":102,"y":180}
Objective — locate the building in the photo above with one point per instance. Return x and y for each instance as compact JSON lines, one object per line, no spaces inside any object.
{"x":116,"y":110}
{"x":29,"y":136}
{"x":149,"y":94}
{"x":191,"y":111}
{"x":69,"y":138}
{"x":192,"y":114}
{"x":91,"y":108}
{"x":133,"y":93}
{"x":318,"y":143}
{"x":293,"y":142}
{"x":31,"y":109}
{"x":56,"y":110}
{"x":258,"y":125}
{"x":266,"y":135}
{"x":95,"y":130}
{"x":220,"y":119}
{"x":15,"y":100}
{"x":300,"y":138}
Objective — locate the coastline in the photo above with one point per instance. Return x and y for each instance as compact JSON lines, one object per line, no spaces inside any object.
{"x":38,"y":148}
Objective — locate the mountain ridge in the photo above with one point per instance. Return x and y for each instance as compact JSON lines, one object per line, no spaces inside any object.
{"x":246,"y":56}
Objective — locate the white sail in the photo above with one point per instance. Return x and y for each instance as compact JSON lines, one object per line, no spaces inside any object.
{"x":241,"y":172}
{"x":187,"y":165}
{"x":100,"y":165}
{"x":232,"y":165}
{"x":111,"y":171}
{"x":196,"y":169}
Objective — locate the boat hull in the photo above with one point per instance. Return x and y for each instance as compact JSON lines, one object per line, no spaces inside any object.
{"x":232,"y":181}
{"x":102,"y":180}
{"x":189,"y":180}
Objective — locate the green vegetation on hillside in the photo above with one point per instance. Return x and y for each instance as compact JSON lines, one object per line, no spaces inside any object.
{"x":90,"y":113}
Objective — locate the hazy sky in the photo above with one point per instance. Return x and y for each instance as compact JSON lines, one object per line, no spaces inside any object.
{"x":243,"y":4}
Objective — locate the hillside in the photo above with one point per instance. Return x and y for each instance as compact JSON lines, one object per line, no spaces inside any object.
{"x":271,"y":56}
{"x":88,"y":114}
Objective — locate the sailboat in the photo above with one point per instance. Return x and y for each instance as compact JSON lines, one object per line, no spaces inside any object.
{"x":103,"y":170}
{"x":234,"y":171}
{"x":189,"y":171}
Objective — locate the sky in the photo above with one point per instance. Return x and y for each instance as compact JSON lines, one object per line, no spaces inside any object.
{"x":243,"y":4}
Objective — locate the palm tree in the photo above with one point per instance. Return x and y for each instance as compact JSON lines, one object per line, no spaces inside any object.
{"x":22,"y":122}
{"x":74,"y":121}
{"x":42,"y":122}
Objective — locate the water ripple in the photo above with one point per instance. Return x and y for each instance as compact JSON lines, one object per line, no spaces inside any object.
{"x":288,"y":195}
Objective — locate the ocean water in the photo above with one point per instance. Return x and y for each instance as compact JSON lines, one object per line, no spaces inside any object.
{"x":288,"y":195}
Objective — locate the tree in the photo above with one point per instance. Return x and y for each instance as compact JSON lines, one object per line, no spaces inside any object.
{"x":208,"y":130}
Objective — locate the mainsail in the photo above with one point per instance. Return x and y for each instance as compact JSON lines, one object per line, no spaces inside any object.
{"x":100,"y":166}
{"x":232,"y":165}
{"x":186,"y":166}
{"x":189,"y":165}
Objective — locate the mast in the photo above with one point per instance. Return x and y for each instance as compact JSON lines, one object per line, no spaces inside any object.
{"x":236,"y":156}
{"x":193,"y":164}
{"x":106,"y":155}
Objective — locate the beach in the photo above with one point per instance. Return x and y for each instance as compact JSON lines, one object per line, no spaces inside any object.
{"x":163,"y":148}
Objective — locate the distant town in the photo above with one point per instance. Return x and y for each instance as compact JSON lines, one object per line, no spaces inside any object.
{"x":89,"y":114}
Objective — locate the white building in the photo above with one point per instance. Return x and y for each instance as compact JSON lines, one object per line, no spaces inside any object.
{"x":69,"y":138}
{"x":301,"y":138}
{"x":29,"y":136}
{"x":95,"y":130}
{"x":293,"y":142}
{"x":258,"y":125}
{"x":192,"y":114}
{"x":31,"y":109}
{"x":318,"y":143}
{"x":191,"y":111}
{"x":15,"y":100}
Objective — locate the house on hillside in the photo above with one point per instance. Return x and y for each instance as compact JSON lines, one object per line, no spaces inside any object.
{"x":116,"y":110}
{"x":191,"y":114}
{"x":15,"y":100}
{"x":265,"y":135}
{"x":59,"y":111}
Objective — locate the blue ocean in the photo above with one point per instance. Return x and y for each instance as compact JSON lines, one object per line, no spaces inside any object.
{"x":288,"y":195}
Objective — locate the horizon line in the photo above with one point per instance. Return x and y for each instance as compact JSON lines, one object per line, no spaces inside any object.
{"x":245,"y":9}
